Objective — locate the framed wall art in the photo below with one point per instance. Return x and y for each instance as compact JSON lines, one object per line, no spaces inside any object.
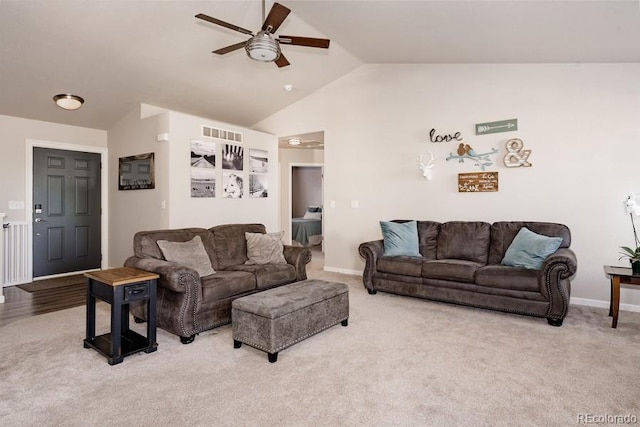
{"x":136,"y":172}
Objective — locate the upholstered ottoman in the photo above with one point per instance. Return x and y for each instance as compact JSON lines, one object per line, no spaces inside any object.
{"x":278,"y":318}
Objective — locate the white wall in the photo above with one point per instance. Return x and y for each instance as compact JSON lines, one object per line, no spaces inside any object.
{"x":579,"y":120}
{"x":14,"y":133}
{"x":187,"y":211}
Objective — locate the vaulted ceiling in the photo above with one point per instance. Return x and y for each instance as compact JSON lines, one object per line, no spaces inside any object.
{"x":118,"y":54}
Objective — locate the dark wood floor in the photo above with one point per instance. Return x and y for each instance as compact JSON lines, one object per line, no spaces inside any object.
{"x":19,"y":304}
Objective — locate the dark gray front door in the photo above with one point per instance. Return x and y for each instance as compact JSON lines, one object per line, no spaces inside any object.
{"x":66,"y":211}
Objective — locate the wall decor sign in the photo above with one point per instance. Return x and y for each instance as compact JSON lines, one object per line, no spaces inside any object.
{"x":516,"y":156}
{"x":466,"y":152}
{"x":435,"y":138}
{"x":203,"y":163}
{"x":481,"y":182}
{"x":497,"y":127}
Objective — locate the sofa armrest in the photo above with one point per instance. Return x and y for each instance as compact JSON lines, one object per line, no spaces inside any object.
{"x":178,"y":299}
{"x":370,"y":251}
{"x":175,"y":277}
{"x":299,"y":257}
{"x":555,"y":275}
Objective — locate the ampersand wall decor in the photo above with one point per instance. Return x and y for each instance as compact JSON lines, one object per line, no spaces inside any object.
{"x":516,"y":156}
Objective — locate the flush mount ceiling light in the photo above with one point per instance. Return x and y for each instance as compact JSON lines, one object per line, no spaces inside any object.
{"x":294,"y":141}
{"x":68,"y":101}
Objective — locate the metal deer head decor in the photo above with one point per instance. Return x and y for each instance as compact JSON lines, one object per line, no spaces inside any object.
{"x":426,"y":168}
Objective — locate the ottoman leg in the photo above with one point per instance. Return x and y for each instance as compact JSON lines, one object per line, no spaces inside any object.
{"x":273,"y":357}
{"x":345,"y":322}
{"x":237,"y":344}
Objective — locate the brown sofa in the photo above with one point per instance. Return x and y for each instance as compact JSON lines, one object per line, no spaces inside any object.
{"x":187,"y":303}
{"x":461,"y":263}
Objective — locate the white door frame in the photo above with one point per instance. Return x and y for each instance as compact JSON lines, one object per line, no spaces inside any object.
{"x":104,"y":193}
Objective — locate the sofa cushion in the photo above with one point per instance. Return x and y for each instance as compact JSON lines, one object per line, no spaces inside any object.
{"x":451,"y":269}
{"x":269,"y":275}
{"x":505,"y":277}
{"x":145,"y":246}
{"x":529,"y":249}
{"x":400,"y":238}
{"x":225,"y":284}
{"x":428,"y":237}
{"x":189,"y":254}
{"x":231,"y":244}
{"x":265,"y":248}
{"x":464,"y":240}
{"x":503,"y":233}
{"x":402,"y":265}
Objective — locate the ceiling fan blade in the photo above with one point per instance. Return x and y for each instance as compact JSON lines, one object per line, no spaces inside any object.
{"x":276,"y":17}
{"x":305,"y":41}
{"x":223,"y":24}
{"x":231,"y":48}
{"x":282,"y":61}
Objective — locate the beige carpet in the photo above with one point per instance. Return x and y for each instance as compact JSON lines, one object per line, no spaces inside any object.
{"x":400,"y":362}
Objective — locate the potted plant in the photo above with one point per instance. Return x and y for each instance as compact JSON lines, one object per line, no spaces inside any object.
{"x":628,"y":252}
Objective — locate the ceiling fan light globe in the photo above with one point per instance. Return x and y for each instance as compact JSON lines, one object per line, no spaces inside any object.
{"x":262,"y":47}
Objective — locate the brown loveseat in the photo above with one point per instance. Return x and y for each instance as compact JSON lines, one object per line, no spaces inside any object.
{"x":461,"y":262}
{"x":187,"y":303}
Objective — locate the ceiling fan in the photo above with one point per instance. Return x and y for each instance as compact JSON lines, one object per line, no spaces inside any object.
{"x":263,"y":46}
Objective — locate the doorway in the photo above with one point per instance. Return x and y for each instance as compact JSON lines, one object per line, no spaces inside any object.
{"x":306,"y":209}
{"x":66,"y":211}
{"x":67,"y":208}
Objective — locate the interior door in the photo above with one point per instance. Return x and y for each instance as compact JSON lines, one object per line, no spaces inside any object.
{"x":66,"y":211}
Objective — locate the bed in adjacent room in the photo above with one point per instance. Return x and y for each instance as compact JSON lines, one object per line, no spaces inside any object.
{"x":307,"y":231}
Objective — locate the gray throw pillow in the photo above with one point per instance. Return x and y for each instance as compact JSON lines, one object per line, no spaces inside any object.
{"x":265,"y":248}
{"x":400,"y":239}
{"x":190,"y":254}
{"x":530,"y":250}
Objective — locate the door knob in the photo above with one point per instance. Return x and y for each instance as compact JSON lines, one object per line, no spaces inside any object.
{"x":40,"y":220}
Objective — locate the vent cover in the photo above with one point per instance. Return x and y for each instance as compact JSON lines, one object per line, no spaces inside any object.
{"x":228,"y":135}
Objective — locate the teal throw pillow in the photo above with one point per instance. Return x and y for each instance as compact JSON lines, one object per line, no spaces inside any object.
{"x":529,"y":249}
{"x":400,"y":238}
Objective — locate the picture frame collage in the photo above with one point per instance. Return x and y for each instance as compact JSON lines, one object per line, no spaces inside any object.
{"x":204,"y":164}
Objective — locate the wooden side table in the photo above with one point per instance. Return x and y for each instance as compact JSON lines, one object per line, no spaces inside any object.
{"x":618,"y":275}
{"x":119,"y":287}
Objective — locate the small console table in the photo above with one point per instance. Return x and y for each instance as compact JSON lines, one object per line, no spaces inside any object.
{"x":618,"y":275}
{"x":119,"y":287}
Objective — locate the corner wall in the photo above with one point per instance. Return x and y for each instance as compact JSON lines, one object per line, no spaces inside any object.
{"x":170,"y":204}
{"x":135,"y":210}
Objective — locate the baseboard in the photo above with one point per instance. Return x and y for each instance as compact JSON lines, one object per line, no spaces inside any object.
{"x":343,"y":271}
{"x":603,"y":304}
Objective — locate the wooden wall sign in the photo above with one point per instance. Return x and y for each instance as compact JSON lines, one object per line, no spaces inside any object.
{"x":480,"y":182}
{"x":495,"y":127}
